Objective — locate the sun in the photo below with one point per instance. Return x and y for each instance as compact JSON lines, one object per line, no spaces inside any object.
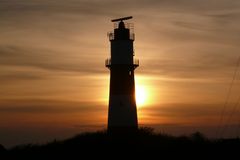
{"x":141,"y":95}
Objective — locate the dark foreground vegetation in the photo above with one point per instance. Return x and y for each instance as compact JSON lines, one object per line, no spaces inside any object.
{"x":144,"y":143}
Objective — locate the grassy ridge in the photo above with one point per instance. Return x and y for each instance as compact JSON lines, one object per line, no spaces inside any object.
{"x":143,"y":143}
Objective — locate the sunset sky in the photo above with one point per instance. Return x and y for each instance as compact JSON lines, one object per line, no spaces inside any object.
{"x":53,"y":80}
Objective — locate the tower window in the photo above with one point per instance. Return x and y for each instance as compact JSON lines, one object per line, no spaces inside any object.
{"x":130,"y":73}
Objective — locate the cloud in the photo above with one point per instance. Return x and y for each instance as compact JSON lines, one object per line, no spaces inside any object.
{"x":44,"y":59}
{"x":47,"y":106}
{"x":19,"y":76}
{"x":192,"y":113}
{"x":60,"y":6}
{"x":204,"y":63}
{"x":182,"y":110}
{"x":191,"y":38}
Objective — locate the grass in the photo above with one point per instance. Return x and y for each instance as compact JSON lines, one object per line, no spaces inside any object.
{"x":143,"y":143}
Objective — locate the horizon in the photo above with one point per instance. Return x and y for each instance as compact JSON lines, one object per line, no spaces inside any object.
{"x":54,"y":83}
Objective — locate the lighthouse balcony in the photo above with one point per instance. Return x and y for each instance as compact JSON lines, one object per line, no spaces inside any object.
{"x":136,"y":63}
{"x":108,"y":63}
{"x":111,"y":36}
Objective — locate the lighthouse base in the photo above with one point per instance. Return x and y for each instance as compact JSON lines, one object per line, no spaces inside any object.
{"x":122,"y":115}
{"x":122,"y":130}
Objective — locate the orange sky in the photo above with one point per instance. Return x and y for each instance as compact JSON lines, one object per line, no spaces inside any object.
{"x":52,"y":54}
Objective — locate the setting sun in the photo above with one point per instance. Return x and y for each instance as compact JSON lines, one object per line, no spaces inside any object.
{"x":141,"y":95}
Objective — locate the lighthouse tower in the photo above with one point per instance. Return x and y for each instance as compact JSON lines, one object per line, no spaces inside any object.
{"x":122,"y":113}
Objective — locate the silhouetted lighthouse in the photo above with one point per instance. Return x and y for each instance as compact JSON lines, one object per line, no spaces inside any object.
{"x":122,"y":113}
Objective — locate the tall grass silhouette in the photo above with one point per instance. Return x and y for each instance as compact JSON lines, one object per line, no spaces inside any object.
{"x":145,"y":142}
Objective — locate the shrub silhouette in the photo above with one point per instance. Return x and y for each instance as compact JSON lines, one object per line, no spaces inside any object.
{"x":145,"y":142}
{"x":198,"y":137}
{"x":2,"y":149}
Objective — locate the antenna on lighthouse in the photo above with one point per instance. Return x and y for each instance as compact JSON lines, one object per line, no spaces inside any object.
{"x":122,"y":19}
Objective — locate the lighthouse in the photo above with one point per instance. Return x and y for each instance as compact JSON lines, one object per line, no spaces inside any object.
{"x":122,"y":112}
